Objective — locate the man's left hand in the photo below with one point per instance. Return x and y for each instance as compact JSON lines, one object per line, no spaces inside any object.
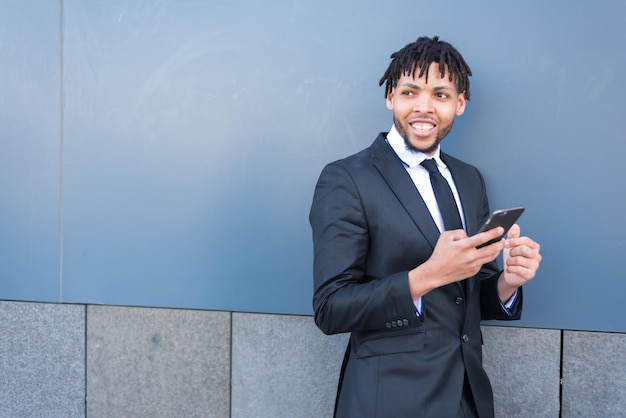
{"x":521,"y":260}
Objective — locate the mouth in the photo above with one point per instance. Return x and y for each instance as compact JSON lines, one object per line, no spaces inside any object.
{"x":422,"y":127}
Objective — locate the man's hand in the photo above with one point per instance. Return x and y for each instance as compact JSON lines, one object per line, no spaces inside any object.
{"x":521,"y":260}
{"x":454,"y":258}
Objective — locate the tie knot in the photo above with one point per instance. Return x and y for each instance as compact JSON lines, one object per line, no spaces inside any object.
{"x":430,"y":165}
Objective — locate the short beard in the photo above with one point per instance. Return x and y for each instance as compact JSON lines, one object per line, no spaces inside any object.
{"x":405,"y":135}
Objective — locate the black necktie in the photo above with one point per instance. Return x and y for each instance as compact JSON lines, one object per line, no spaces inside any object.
{"x":444,"y":196}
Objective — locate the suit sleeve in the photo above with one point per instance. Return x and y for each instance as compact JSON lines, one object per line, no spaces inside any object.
{"x":490,"y":305}
{"x":345,"y":298}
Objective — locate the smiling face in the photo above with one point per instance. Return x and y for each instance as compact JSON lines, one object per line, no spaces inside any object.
{"x":424,"y":112}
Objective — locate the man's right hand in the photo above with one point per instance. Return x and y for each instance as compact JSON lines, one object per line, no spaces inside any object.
{"x":454,"y":258}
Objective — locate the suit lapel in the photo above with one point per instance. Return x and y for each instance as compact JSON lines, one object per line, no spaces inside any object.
{"x":392,"y":170}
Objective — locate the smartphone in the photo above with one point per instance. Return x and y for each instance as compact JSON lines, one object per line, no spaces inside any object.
{"x":504,"y":218}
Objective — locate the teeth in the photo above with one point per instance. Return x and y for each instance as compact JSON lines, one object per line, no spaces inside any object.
{"x":422,"y":127}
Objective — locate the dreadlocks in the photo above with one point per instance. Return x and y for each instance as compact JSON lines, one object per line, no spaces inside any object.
{"x":419,"y":55}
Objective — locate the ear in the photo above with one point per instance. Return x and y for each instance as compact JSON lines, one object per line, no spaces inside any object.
{"x":460,"y":105}
{"x":389,"y":100}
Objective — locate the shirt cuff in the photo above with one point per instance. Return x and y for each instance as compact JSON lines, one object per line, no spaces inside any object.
{"x":418,"y":306}
{"x":507,"y":306}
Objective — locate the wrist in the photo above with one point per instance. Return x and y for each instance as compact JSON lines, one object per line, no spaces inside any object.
{"x":505,"y":290}
{"x":421,"y":280}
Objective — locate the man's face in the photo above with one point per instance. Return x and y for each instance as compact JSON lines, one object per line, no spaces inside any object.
{"x":424,"y":112}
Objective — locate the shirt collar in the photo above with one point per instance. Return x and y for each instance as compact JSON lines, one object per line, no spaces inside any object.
{"x":409,"y":157}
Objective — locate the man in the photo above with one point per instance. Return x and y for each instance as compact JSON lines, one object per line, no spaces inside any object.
{"x":410,"y":290}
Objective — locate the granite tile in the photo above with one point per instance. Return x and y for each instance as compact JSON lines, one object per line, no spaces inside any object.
{"x":42,"y":360}
{"x":594,"y":374}
{"x":283,"y":366}
{"x":147,"y":362}
{"x":524,"y":367}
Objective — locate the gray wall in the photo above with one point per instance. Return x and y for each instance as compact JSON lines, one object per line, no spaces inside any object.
{"x":70,"y":361}
{"x":164,"y":153}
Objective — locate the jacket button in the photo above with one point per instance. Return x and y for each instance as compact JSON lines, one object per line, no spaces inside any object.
{"x":394,"y":324}
{"x":459,"y":300}
{"x":388,"y":324}
{"x":465,"y":338}
{"x":405,"y":322}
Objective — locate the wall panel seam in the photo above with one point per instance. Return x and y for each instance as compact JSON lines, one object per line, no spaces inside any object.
{"x":61,"y":137}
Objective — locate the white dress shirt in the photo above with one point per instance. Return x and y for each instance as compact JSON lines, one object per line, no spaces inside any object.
{"x":421,"y":178}
{"x":412,"y":160}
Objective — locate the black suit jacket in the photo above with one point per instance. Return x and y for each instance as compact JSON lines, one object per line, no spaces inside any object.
{"x":370,"y":227}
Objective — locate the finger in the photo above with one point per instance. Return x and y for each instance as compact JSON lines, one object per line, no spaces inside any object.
{"x":520,"y":262}
{"x":523,"y":242}
{"x":526,"y":272}
{"x":518,"y":248}
{"x":453,"y":235}
{"x":483,"y":237}
{"x":531,"y":264}
{"x":518,"y":276}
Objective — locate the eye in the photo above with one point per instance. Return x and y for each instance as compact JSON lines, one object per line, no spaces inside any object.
{"x":442,"y":95}
{"x":407,"y":93}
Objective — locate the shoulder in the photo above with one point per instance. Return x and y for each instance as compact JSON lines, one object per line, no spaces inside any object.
{"x":365,"y":158}
{"x":455,"y":162}
{"x":458,"y":166}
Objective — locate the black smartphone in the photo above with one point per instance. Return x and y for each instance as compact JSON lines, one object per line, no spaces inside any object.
{"x":504,"y":218}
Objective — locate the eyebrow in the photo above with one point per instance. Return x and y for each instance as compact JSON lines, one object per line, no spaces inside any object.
{"x":415,"y":86}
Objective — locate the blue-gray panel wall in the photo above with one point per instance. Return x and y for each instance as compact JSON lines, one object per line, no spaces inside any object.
{"x":546,"y":129}
{"x":29,"y":150}
{"x":194,"y":133}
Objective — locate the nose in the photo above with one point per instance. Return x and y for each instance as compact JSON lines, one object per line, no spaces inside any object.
{"x":423,"y":104}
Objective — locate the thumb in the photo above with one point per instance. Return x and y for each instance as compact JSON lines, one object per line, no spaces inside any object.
{"x":514,"y":232}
